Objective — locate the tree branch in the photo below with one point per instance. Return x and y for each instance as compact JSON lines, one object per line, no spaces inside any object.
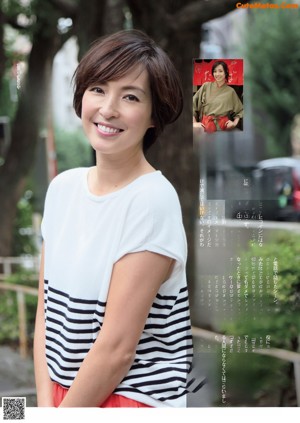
{"x":200,"y":11}
{"x":65,"y":6}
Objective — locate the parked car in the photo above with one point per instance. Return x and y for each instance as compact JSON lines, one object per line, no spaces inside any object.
{"x":275,"y":191}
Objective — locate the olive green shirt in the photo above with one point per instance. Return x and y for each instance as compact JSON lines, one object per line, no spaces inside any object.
{"x":212,"y":100}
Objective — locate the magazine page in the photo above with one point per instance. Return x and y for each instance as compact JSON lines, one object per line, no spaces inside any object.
{"x":149,"y":209}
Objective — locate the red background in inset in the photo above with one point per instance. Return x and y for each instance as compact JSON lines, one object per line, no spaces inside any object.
{"x":202,"y":71}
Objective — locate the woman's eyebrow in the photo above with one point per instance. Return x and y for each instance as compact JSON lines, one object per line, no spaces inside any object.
{"x":133,"y":87}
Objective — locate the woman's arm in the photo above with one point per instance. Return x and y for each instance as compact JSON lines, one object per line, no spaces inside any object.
{"x":237,"y":108}
{"x":232,"y":124}
{"x":197,"y":104}
{"x":43,"y":382}
{"x":135,"y":281}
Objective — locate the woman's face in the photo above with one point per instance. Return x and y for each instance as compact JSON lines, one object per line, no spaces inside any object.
{"x":116,"y":114}
{"x":219,"y":74}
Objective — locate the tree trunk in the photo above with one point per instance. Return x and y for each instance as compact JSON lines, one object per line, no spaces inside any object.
{"x":96,"y":19}
{"x":2,"y":53}
{"x":173,"y":154}
{"x":30,"y":117}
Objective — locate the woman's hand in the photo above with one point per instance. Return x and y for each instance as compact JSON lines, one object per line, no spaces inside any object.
{"x":232,"y":124}
{"x":229,"y":124}
{"x":198,"y":128}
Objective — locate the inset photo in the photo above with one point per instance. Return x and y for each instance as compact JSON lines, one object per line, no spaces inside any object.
{"x":218,"y":94}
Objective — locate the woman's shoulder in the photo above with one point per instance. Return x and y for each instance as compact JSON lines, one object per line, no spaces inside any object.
{"x":158,"y":192}
{"x":230,"y":89}
{"x":69,"y":175}
{"x":65,"y":181}
{"x":208,"y":85}
{"x":157,"y":185}
{"x":205,"y":85}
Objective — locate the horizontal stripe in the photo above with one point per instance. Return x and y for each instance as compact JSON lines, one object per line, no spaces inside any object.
{"x":68,"y":369}
{"x":70,"y":350}
{"x":181,"y":300}
{"x":159,"y":382}
{"x":100,"y":314}
{"x":154,"y":373}
{"x":167,"y":324}
{"x":70,"y":309}
{"x":151,"y":392}
{"x":166,"y":316}
{"x":162,"y":306}
{"x":77,"y":321}
{"x":62,"y":325}
{"x":166,"y":297}
{"x":64,"y":359}
{"x":180,"y":391}
{"x":158,"y":349}
{"x":71,"y":340}
{"x":156,"y":394}
{"x":162,"y":335}
{"x":60,"y":375}
{"x":171,"y":360}
{"x":185,"y":337}
{"x":75,"y":300}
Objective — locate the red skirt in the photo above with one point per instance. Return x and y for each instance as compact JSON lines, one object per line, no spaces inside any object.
{"x":211,"y":123}
{"x":113,"y":401}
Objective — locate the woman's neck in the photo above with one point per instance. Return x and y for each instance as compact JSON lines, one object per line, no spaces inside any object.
{"x":113,"y":173}
{"x":219,"y":85}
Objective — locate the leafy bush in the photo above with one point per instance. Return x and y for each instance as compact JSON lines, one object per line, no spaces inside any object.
{"x":23,"y":239}
{"x":72,"y":148}
{"x":9,"y":323}
{"x":276,"y":287}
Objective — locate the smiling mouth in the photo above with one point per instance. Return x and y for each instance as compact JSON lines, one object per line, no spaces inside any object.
{"x":108,"y":129}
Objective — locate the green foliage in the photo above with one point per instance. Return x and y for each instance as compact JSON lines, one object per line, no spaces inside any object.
{"x":253,"y":379}
{"x":272,"y":50}
{"x":276,"y":287}
{"x":13,"y":8}
{"x":72,"y":149}
{"x":9,"y":324}
{"x":272,"y":319}
{"x":7,"y":106}
{"x":22,"y":235}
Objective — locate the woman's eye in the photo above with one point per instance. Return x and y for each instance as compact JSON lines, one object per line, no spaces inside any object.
{"x":97,"y":90}
{"x":131,"y":97}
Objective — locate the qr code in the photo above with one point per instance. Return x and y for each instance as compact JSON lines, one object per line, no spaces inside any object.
{"x":13,"y":408}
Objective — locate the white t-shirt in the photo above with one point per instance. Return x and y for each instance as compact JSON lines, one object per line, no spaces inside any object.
{"x":84,"y":236}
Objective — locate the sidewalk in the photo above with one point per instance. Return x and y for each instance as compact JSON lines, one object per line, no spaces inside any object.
{"x":16,"y":376}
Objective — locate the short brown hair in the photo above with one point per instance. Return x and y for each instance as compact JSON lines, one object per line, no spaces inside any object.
{"x":111,"y":57}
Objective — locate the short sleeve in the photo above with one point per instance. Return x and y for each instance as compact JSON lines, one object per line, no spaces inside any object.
{"x":198,"y":101}
{"x":197,"y":104}
{"x":154,"y":223}
{"x":48,"y":204}
{"x":237,"y":105}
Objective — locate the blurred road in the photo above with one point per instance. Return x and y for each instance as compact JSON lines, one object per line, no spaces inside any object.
{"x":16,"y":376}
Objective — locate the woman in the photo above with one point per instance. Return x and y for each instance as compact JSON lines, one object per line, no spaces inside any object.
{"x":112,"y":289}
{"x":216,"y":106}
